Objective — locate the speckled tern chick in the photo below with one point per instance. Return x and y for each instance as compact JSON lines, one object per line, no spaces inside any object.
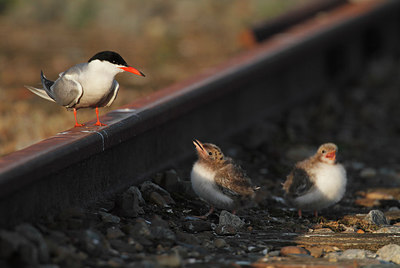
{"x":217,"y":180}
{"x":316,"y":182}
{"x":85,"y":85}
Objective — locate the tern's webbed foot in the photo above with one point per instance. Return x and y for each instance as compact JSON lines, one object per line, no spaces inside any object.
{"x":100,"y":124}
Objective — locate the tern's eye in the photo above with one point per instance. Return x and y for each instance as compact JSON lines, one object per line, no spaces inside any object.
{"x":323,"y":151}
{"x":210,"y":153}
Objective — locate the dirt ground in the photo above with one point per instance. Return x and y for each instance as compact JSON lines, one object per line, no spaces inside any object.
{"x":168,"y":41}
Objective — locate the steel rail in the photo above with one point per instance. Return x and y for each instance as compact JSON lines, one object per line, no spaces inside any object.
{"x":80,"y":165}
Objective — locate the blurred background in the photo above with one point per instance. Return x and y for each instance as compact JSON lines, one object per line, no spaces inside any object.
{"x":167,"y":40}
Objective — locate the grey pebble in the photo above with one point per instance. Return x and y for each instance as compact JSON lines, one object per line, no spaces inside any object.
{"x":357,"y":254}
{"x":227,"y":218}
{"x":220,"y":243}
{"x":135,"y":191}
{"x":388,"y":229}
{"x":376,"y":217}
{"x":390,"y":252}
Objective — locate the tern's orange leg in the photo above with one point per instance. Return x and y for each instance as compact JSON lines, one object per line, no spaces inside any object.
{"x":316,"y":213}
{"x":98,"y":123}
{"x":300,"y":214}
{"x":76,"y":120}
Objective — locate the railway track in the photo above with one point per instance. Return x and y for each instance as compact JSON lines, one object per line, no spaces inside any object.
{"x":81,"y":165}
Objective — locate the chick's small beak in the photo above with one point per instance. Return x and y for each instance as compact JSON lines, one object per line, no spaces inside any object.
{"x":331,"y":155}
{"x":199,"y":147}
{"x":132,"y":70}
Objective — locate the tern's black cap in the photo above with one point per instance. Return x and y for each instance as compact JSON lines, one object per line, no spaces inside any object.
{"x":109,"y":56}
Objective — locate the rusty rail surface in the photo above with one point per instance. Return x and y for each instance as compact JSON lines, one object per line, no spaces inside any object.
{"x":80,"y":165}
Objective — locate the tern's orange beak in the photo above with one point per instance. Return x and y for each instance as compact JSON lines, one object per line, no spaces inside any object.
{"x":331,"y":155}
{"x":132,"y":70}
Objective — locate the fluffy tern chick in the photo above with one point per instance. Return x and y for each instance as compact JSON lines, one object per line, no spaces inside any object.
{"x":316,"y":182}
{"x":217,"y":180}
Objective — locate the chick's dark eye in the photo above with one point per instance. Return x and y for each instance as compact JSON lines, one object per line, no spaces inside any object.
{"x":323,"y":151}
{"x":210,"y":153}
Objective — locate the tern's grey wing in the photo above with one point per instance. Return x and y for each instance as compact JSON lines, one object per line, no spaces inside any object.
{"x":298,"y":183}
{"x":67,"y":92}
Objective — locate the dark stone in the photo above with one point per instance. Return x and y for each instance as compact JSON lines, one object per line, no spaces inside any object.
{"x":14,"y":244}
{"x":9,"y":242}
{"x":128,"y":204}
{"x":28,"y":253}
{"x":33,"y":235}
{"x":147,"y":188}
{"x":158,"y":199}
{"x":109,"y":218}
{"x":136,"y":192}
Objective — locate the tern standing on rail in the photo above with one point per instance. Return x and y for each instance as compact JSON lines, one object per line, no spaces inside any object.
{"x":85,"y":85}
